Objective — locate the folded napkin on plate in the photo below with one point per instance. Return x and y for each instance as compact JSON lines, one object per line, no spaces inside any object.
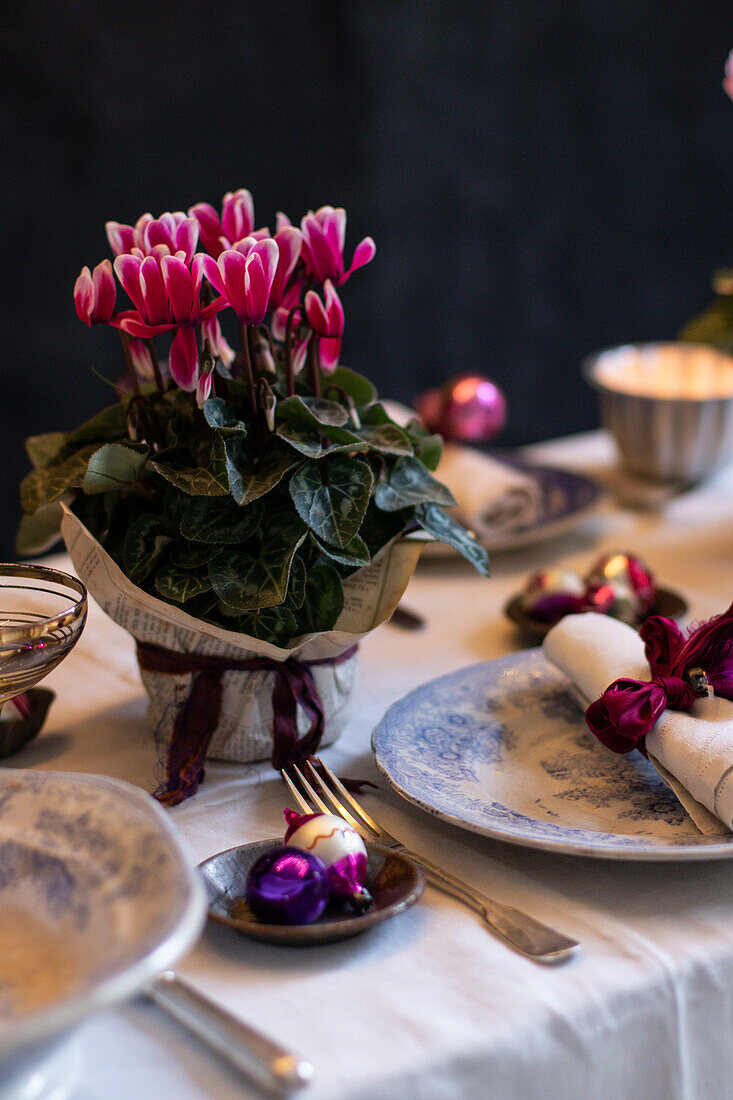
{"x":692,"y":750}
{"x":491,"y":495}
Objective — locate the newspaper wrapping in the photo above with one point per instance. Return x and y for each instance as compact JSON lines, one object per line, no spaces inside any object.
{"x":244,"y":730}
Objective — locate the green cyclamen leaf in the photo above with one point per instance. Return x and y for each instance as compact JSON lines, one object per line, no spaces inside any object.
{"x":103,"y":426}
{"x":48,"y":485}
{"x":332,"y":497}
{"x":193,"y":555}
{"x":360,"y":389}
{"x":195,"y":481}
{"x":272,"y":624}
{"x":177,"y":584}
{"x":387,"y":438}
{"x":245,"y":582}
{"x":409,"y":484}
{"x":39,"y":532}
{"x":144,"y":543}
{"x":271,"y":469}
{"x":296,"y":583}
{"x":378,"y":527}
{"x":42,"y":450}
{"x":317,"y":442}
{"x":313,"y":411}
{"x":214,"y":520}
{"x":443,"y":527}
{"x":113,"y":466}
{"x":355,"y":553}
{"x":324,"y":599}
{"x":218,"y":415}
{"x":428,"y":448}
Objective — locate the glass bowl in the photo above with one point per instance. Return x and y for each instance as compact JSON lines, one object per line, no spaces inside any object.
{"x":42,"y":615}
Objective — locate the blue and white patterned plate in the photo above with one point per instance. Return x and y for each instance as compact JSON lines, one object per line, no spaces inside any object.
{"x":500,"y":748}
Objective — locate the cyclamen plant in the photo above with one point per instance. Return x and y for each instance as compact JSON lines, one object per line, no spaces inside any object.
{"x":241,"y":487}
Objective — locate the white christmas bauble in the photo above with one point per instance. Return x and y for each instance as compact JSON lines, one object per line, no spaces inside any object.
{"x":328,"y":837}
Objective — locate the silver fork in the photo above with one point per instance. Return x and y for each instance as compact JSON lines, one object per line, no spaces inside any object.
{"x":526,"y":935}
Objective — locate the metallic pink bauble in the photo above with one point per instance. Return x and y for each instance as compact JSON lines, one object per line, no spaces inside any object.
{"x":550,"y":594}
{"x":622,"y":569}
{"x":614,"y":598}
{"x":467,"y":409}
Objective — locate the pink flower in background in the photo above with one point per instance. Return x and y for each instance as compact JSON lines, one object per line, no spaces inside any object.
{"x":94,"y":294}
{"x":328,"y":323}
{"x":220,"y":349}
{"x":237,"y":222}
{"x":324,"y":236}
{"x":728,"y":75}
{"x":203,"y":389}
{"x":244,"y":276}
{"x":289,"y":242}
{"x":141,"y":358}
{"x":167,"y":295}
{"x":166,"y":235}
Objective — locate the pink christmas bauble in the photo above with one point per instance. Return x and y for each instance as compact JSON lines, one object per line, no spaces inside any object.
{"x":625,"y":571}
{"x":467,"y":409}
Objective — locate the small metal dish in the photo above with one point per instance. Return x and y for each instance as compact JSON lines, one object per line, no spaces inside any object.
{"x":17,"y":732}
{"x":668,"y":604}
{"x":394,"y":882}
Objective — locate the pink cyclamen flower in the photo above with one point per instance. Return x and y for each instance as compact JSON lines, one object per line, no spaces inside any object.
{"x":324,"y":236}
{"x":244,"y":277}
{"x":237,"y":222}
{"x":289,"y":242}
{"x":94,"y":294}
{"x":203,"y":389}
{"x":166,"y":235}
{"x":141,"y":358}
{"x":728,"y":75}
{"x":328,"y":323}
{"x":220,"y":349}
{"x":166,"y":293}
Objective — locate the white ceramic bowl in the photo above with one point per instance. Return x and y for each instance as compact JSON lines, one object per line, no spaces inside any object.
{"x":96,"y":898}
{"x":669,"y":407}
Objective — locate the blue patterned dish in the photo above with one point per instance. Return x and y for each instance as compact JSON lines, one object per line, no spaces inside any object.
{"x":500,"y":748}
{"x":96,"y":899}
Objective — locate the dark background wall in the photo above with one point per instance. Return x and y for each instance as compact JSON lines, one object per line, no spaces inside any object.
{"x":541,"y":178}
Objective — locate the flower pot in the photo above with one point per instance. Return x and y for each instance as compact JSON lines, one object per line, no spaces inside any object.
{"x":220,"y":694}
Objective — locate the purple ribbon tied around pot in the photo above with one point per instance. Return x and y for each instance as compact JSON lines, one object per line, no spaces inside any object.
{"x":682,"y":668}
{"x":197,"y":719}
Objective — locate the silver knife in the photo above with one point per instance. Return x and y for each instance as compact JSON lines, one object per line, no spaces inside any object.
{"x":277,"y":1070}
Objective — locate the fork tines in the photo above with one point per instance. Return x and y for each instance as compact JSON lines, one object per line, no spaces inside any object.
{"x":320,"y":791}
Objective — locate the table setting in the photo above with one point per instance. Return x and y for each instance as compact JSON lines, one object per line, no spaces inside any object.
{"x":260,"y":838}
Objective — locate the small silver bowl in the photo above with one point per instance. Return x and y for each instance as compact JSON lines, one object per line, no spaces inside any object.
{"x":668,"y":406}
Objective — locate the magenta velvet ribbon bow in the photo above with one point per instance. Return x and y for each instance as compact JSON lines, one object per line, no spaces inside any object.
{"x":628,"y":709}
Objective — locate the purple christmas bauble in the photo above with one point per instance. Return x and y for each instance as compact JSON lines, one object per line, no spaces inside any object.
{"x":287,"y":886}
{"x":467,"y":409}
{"x":552,"y":593}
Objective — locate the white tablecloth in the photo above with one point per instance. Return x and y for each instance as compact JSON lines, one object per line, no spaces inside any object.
{"x":430,"y":1005}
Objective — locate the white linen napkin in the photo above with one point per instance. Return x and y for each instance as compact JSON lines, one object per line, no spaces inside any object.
{"x":491,"y":496}
{"x":692,"y":750}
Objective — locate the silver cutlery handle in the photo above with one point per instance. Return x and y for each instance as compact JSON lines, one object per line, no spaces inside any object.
{"x":274,"y":1068}
{"x":525,"y":934}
